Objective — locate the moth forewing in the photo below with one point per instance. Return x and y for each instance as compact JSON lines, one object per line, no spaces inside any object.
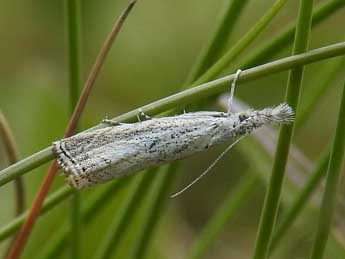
{"x":101,"y":155}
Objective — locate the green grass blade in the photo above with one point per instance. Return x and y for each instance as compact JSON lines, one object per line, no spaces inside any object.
{"x":284,"y":38}
{"x":313,"y":96}
{"x":73,"y":28}
{"x":216,"y":45}
{"x":244,"y":42}
{"x":232,"y":202}
{"x":271,"y":203}
{"x":332,"y":182}
{"x":314,"y":180}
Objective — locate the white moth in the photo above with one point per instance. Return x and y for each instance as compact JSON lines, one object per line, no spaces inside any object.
{"x":100,"y":155}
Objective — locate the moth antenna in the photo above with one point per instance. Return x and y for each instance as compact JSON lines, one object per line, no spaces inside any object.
{"x":208,"y":169}
{"x":232,"y":89}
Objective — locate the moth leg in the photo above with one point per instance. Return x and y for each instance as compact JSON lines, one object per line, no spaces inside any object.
{"x":110,"y":122}
{"x":232,"y":89}
{"x":142,"y":114}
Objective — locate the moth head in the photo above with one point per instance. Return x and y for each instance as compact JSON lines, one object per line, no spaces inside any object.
{"x":282,"y":113}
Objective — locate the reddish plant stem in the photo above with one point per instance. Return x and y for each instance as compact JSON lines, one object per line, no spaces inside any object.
{"x":12,"y":154}
{"x":21,"y":240}
{"x":25,"y":230}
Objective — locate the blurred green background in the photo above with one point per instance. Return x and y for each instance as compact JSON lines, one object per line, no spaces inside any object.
{"x":150,"y":60}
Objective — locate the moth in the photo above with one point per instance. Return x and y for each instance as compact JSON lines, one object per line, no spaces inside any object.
{"x":100,"y":155}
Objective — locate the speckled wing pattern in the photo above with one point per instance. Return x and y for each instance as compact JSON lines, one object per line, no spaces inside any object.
{"x":100,"y":155}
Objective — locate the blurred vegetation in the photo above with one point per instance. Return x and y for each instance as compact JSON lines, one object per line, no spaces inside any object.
{"x":151,"y":59}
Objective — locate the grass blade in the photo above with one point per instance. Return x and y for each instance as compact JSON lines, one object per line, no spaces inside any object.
{"x":312,"y":97}
{"x":332,"y":182}
{"x":281,"y":41}
{"x":217,"y":43}
{"x":248,"y":38}
{"x":73,"y":28}
{"x":271,"y":203}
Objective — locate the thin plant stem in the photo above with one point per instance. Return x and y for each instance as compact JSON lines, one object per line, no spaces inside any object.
{"x":187,"y":96}
{"x":26,"y":165}
{"x":332,"y":182}
{"x":73,"y":28}
{"x":272,"y":198}
{"x":317,"y":91}
{"x":25,"y":230}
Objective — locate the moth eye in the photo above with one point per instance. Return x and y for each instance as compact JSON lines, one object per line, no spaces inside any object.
{"x":243,"y":116}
